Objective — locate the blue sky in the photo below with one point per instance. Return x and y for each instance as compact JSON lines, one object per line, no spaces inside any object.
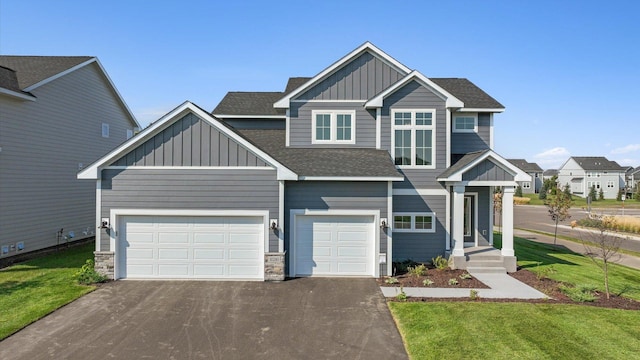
{"x":567,"y":71}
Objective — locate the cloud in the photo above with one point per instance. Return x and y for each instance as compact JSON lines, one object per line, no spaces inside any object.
{"x":552,"y":158}
{"x":626,"y":149}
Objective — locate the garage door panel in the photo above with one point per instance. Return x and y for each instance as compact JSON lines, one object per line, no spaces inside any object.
{"x":142,"y":237}
{"x":140,"y":254}
{"x":244,"y":238}
{"x":208,"y":254}
{"x":173,"y":254}
{"x":354,"y":236}
{"x":319,"y":251}
{"x":173,"y":270}
{"x":173,"y":237}
{"x":205,"y":271}
{"x":140,"y":270}
{"x":236,"y":254}
{"x":350,"y":268}
{"x":244,"y":271}
{"x":352,"y":252}
{"x":208,"y":238}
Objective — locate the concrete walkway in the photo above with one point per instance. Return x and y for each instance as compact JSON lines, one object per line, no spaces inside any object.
{"x":501,"y":286}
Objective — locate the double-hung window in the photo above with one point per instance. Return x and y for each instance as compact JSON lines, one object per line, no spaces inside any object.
{"x":414,"y":138}
{"x":414,"y":222}
{"x":333,"y":127}
{"x":526,"y":185}
{"x":611,"y":184}
{"x":465,"y":123}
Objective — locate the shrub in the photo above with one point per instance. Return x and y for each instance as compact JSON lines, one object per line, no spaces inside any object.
{"x":417,"y":270}
{"x":427,"y":282}
{"x":521,"y":200}
{"x":88,"y":275}
{"x":402,"y":296}
{"x":473,"y":294}
{"x":400,"y":267}
{"x":453,"y":281}
{"x":465,"y":276}
{"x":440,"y":263}
{"x":518,"y":192}
{"x":580,"y":293}
{"x":391,"y":280}
{"x":592,"y":193}
{"x":600,"y":195}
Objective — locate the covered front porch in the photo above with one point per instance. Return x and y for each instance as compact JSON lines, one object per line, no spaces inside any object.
{"x":471,"y":183}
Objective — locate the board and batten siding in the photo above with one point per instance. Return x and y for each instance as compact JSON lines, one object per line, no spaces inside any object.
{"x":190,"y":141}
{"x":420,"y":246}
{"x":301,"y":122}
{"x":415,"y":96}
{"x":190,"y":189}
{"x":338,"y":195}
{"x":361,"y":79}
{"x":44,"y":144}
{"x":463,"y":143}
{"x":487,"y":171}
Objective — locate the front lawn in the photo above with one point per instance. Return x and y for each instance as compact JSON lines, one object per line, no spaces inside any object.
{"x":579,"y":202}
{"x":33,"y":289}
{"x":467,"y":330}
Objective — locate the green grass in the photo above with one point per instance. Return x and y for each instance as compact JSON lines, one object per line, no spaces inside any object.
{"x":33,"y":289}
{"x":579,"y":202}
{"x":466,"y":330}
{"x":573,"y":268}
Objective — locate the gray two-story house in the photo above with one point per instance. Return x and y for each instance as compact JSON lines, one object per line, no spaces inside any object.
{"x":342,"y":173}
{"x":582,"y":173}
{"x":534,"y":170}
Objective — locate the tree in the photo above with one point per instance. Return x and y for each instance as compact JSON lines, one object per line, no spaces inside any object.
{"x":549,"y":186}
{"x":600,"y":195}
{"x":567,"y":191}
{"x":603,"y":247}
{"x":638,"y":194}
{"x":558,"y":206}
{"x":592,"y":193}
{"x":619,"y":196}
{"x":543,"y":191}
{"x":518,"y":192}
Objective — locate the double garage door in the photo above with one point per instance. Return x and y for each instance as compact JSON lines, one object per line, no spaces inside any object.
{"x":191,"y":247}
{"x":328,"y":245}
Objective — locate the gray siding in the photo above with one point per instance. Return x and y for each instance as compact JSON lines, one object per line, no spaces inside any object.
{"x":415,"y":96}
{"x":336,"y":195}
{"x":190,"y":142}
{"x":420,"y":246}
{"x":209,"y":189}
{"x":361,"y":79}
{"x":483,"y":213}
{"x":487,"y":171}
{"x":43,"y":144}
{"x":300,"y":124}
{"x":462,"y":143}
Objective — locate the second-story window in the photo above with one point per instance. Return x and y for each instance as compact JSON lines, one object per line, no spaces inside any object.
{"x":465,"y":122}
{"x":333,"y":127}
{"x":413,"y":138}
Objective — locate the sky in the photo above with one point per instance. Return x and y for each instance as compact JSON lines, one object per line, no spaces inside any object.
{"x":566,"y":71}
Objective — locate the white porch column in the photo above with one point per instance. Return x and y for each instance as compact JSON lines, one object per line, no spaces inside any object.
{"x":507,"y":221}
{"x":458,"y":222}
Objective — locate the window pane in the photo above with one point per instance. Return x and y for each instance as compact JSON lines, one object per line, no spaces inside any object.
{"x":344,"y":127}
{"x":323,"y":127}
{"x":465,"y":123}
{"x":424,"y":118}
{"x":424,"y":147}
{"x":403,"y":147}
{"x":424,"y":222}
{"x":402,"y":118}
{"x":402,"y":222}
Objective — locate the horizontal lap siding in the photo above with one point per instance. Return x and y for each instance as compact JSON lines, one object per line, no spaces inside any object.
{"x":415,"y":96}
{"x":361,"y":79}
{"x":420,"y":246}
{"x":462,"y":143}
{"x":190,"y":141}
{"x":207,"y":189}
{"x":300,"y":131}
{"x":43,"y":143}
{"x":319,"y":195}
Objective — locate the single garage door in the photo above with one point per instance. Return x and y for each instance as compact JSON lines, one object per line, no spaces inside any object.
{"x":334,"y":245}
{"x":191,"y":247}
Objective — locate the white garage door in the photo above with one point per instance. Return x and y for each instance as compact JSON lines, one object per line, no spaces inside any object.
{"x":191,"y":247}
{"x":334,"y":245}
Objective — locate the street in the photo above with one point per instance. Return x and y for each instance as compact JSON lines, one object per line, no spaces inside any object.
{"x":537,"y":218}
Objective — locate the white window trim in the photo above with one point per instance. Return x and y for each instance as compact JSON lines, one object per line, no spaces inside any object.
{"x":526,"y":185}
{"x":413,"y":127}
{"x":475,"y":123}
{"x":611,"y":184}
{"x":413,"y":222}
{"x":334,"y":126}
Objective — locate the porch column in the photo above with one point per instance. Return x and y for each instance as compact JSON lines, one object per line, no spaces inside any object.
{"x":507,"y":221}
{"x":458,"y":221}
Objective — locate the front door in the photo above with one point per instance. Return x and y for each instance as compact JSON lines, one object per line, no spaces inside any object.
{"x":469,"y":221}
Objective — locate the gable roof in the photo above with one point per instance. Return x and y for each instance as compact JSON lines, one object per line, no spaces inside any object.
{"x":294,"y":83}
{"x":366,"y":47}
{"x":597,"y":163}
{"x":321,"y":163}
{"x":525,"y":165}
{"x":454,"y":172}
{"x":9,"y":85}
{"x":249,"y":103}
{"x":550,"y":172}
{"x":472,"y":96}
{"x":93,"y":171}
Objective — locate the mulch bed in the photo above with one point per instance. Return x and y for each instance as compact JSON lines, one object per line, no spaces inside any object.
{"x":547,"y":286}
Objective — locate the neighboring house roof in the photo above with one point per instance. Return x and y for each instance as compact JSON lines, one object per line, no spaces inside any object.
{"x":472,"y":96}
{"x":249,"y":103}
{"x":525,"y":165}
{"x":636,"y":170}
{"x":550,"y":172}
{"x":294,"y":83}
{"x":9,"y":85}
{"x":310,"y":163}
{"x":454,"y":172}
{"x":597,"y":163}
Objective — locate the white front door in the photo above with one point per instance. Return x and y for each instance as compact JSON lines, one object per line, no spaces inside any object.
{"x":191,"y":247}
{"x":334,"y":245}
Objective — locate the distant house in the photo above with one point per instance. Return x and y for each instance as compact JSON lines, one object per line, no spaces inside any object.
{"x":535,"y":171}
{"x":632,"y":177}
{"x":582,"y":173}
{"x":549,"y":173}
{"x":57,"y":115}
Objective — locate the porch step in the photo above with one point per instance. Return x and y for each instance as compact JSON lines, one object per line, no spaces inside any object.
{"x":484,"y":257}
{"x":475,"y":263}
{"x":486,"y":270}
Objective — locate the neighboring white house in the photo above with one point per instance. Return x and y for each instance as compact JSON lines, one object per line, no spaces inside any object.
{"x":535,"y":171}
{"x":57,"y":115}
{"x":549,"y":173}
{"x":631,"y":180}
{"x":581,"y":173}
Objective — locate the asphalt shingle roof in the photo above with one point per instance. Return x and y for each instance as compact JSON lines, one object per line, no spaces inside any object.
{"x":8,"y":79}
{"x":33,"y":69}
{"x":294,"y":83}
{"x":472,"y":96}
{"x":525,"y":166}
{"x":249,"y":103}
{"x":345,"y":162}
{"x":464,"y":161}
{"x":597,"y":163}
{"x":550,"y":172}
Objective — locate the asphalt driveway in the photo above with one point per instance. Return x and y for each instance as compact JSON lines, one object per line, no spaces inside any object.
{"x":310,"y":318}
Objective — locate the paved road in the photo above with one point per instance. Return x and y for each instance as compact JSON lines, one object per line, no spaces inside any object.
{"x":537,"y":218}
{"x":308,"y":318}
